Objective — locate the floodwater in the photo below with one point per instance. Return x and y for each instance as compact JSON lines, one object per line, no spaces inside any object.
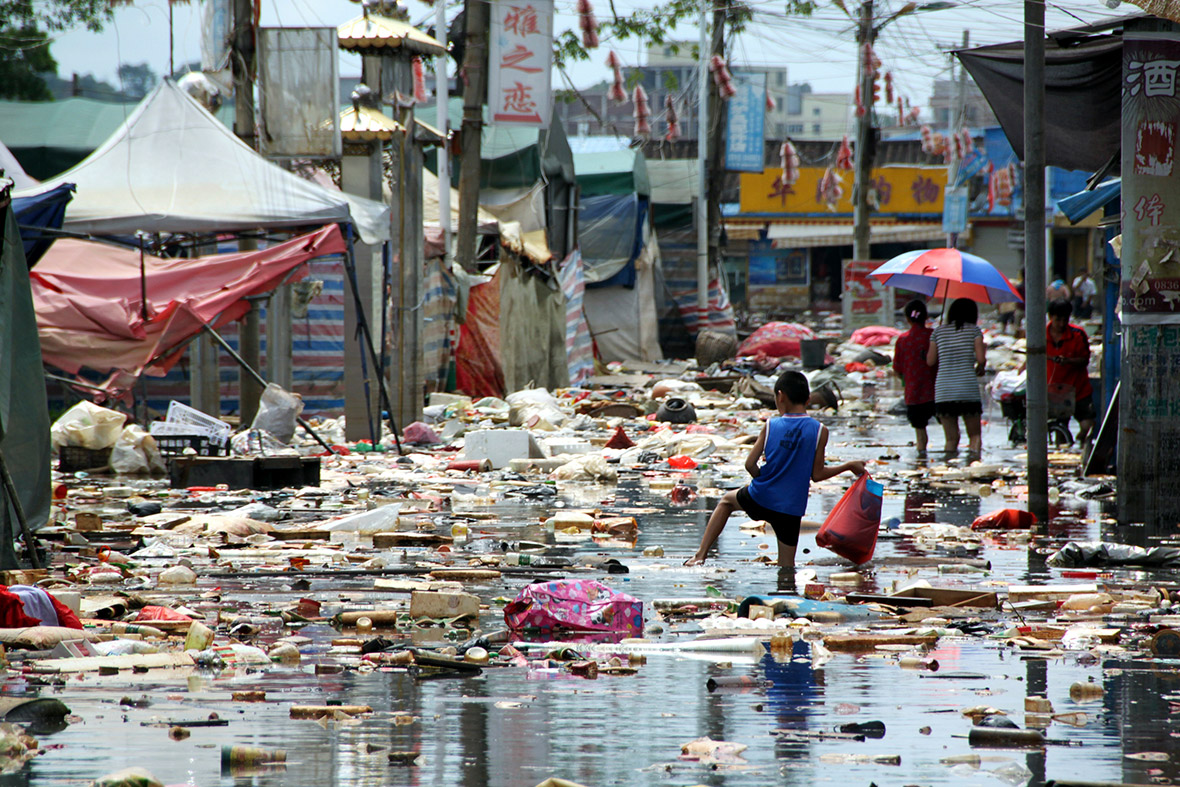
{"x":512,"y":727}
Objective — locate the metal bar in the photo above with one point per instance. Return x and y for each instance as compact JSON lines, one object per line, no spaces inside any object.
{"x":26,"y":534}
{"x":702,"y":211}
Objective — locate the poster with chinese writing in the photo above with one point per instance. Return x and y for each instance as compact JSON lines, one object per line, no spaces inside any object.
{"x":1151,"y":177}
{"x":520,"y":61}
{"x":865,"y":300}
{"x":744,"y":125}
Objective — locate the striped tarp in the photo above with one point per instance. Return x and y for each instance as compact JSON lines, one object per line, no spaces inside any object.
{"x":578,"y":344}
{"x":438,"y":322}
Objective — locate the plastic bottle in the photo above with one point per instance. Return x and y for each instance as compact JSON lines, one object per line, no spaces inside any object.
{"x":517,"y":559}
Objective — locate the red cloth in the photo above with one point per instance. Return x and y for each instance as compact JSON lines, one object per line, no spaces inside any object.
{"x":909,"y":361}
{"x":874,"y":335}
{"x":65,"y":615}
{"x":776,"y":339}
{"x":12,"y":612}
{"x":1075,"y":344}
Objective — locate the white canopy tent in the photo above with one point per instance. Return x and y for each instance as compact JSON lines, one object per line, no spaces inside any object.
{"x":173,"y":167}
{"x":13,"y":170}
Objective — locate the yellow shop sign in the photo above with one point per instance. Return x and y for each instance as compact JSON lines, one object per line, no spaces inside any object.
{"x":911,"y":190}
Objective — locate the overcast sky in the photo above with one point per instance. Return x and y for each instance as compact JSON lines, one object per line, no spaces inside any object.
{"x":818,"y":50}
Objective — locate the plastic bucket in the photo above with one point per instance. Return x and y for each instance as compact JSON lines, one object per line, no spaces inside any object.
{"x":812,"y":352}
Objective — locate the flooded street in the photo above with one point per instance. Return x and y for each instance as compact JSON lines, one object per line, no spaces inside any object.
{"x":515,"y":727}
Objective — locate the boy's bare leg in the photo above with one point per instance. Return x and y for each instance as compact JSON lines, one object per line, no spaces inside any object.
{"x":921,"y":440}
{"x":727,"y":505}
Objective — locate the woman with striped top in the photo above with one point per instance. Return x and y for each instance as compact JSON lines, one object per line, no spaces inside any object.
{"x":956,"y":349}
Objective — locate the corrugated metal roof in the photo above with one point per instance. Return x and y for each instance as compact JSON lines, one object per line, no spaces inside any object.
{"x":367,"y":123}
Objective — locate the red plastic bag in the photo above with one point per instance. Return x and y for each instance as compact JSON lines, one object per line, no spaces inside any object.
{"x":575,"y":605}
{"x":851,"y":529}
{"x":1005,"y":519}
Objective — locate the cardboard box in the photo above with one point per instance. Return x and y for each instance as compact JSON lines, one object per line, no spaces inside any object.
{"x":952,"y":597}
{"x":428,"y":604}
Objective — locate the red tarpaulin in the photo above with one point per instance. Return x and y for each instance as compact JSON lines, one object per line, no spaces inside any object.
{"x":89,"y":307}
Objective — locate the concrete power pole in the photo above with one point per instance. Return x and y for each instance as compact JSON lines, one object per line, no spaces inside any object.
{"x":864,"y":131}
{"x":477,"y":20}
{"x":242,"y":60}
{"x":1034,"y":256}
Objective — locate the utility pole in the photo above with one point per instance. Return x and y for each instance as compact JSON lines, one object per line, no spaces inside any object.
{"x":441,"y":99}
{"x":955,"y":120}
{"x":1034,"y":257}
{"x":716,"y":118}
{"x":477,"y":20}
{"x":242,"y":61}
{"x":702,"y":206}
{"x":865,"y":37}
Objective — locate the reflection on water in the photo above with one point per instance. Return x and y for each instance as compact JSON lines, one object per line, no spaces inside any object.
{"x":512,"y":727}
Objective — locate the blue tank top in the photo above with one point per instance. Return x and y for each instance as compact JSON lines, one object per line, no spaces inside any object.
{"x":784,"y":481}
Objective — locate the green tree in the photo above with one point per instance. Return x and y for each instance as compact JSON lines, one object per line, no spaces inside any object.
{"x":137,"y":79}
{"x":24,"y":58}
{"x":25,"y":26}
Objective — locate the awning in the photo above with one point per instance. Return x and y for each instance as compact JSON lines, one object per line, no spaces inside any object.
{"x":837,"y":233}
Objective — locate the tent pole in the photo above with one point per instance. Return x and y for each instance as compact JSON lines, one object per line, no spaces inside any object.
{"x":262,"y":382}
{"x":363,"y":324}
{"x":26,"y":534}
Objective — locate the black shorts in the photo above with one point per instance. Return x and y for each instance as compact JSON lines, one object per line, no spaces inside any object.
{"x":786,"y":526}
{"x":919,"y":414}
{"x":1083,"y":409}
{"x":956,"y":409}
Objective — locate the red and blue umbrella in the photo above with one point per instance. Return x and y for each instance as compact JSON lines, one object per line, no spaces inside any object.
{"x":947,"y":273}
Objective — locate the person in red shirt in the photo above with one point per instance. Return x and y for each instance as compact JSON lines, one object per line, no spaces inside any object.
{"x":1068,"y":349}
{"x":909,"y":363}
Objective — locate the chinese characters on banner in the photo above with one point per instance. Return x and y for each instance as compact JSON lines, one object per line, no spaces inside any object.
{"x":899,"y":190}
{"x":1151,"y":178}
{"x":520,"y":59}
{"x":867,"y":301}
{"x":744,"y":124}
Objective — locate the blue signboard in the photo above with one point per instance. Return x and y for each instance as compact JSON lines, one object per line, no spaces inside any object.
{"x":954,"y":210}
{"x":744,"y":124}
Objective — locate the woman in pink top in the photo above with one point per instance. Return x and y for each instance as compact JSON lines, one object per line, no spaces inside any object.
{"x":909,"y":363}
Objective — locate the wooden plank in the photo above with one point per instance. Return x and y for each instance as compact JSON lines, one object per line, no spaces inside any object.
{"x":894,"y":601}
{"x":409,"y":539}
{"x":851,"y":643}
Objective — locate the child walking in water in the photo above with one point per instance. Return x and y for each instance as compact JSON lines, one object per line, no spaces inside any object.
{"x":909,"y":363}
{"x":793,"y":444}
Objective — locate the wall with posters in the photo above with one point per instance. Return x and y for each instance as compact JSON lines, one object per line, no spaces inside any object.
{"x":866,"y":300}
{"x":778,"y":279}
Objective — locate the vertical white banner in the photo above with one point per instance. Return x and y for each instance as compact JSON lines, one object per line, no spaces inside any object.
{"x":520,"y":62}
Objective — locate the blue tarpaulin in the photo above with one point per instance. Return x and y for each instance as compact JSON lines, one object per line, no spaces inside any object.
{"x":41,"y":212}
{"x":1078,"y":206}
{"x":611,"y":237}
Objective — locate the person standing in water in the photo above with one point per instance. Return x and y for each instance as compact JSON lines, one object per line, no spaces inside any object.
{"x":909,"y":364}
{"x":956,"y":351}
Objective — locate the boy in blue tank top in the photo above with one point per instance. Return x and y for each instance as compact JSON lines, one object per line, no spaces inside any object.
{"x":793,"y":444}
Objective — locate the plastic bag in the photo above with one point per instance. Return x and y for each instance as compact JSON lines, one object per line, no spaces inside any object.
{"x":419,"y":433}
{"x":581,"y":605}
{"x":136,"y":451}
{"x":277,"y":411}
{"x":88,"y":426}
{"x":851,"y":529}
{"x":1005,"y":519}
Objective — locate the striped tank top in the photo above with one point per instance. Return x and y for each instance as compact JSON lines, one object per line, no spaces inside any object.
{"x":956,"y":380}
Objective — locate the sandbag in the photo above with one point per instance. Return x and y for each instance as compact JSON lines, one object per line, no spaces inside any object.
{"x":851,"y":528}
{"x":575,"y":605}
{"x":1005,"y":519}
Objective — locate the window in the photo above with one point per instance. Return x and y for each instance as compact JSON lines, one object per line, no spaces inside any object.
{"x":816,"y":128}
{"x":815,"y":111}
{"x":794,"y":128}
